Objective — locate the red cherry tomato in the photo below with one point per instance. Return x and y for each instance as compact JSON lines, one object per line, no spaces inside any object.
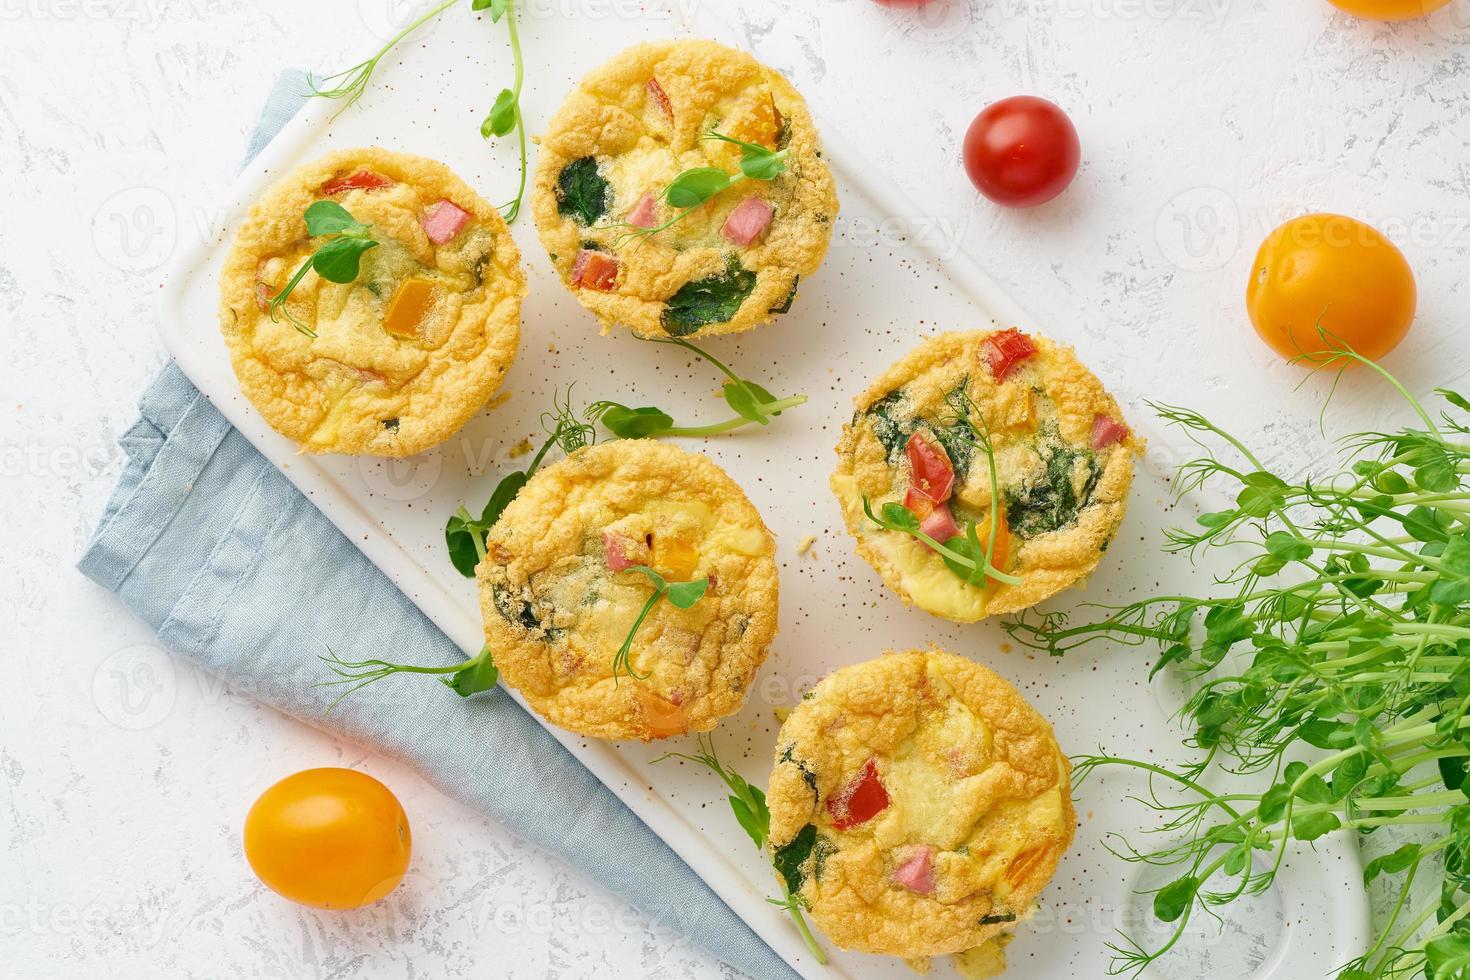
{"x":1022,"y":151}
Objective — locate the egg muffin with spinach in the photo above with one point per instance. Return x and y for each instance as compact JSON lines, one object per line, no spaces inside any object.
{"x":619,"y":141}
{"x":396,"y":360}
{"x":990,"y":444}
{"x":918,"y":804}
{"x":572,"y":583}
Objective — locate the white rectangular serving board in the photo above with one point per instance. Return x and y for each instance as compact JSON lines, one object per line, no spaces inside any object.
{"x":876,"y":296}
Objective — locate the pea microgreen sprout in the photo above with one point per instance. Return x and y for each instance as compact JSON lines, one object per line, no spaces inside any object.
{"x":750,"y":402}
{"x":505,"y":114}
{"x":749,"y":805}
{"x":682,"y":594}
{"x":464,"y":533}
{"x":350,"y":83}
{"x":472,"y":676}
{"x":1333,"y":659}
{"x":696,"y":186}
{"x":338,"y":259}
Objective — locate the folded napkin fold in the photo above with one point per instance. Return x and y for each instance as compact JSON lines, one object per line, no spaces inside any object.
{"x":211,"y":546}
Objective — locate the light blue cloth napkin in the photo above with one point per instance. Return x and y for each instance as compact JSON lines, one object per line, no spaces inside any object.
{"x":211,"y":546}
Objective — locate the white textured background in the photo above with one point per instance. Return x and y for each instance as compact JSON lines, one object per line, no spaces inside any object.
{"x":124,"y":774}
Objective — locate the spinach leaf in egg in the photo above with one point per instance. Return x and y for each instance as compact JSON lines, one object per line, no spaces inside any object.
{"x":713,"y":299}
{"x":581,"y":191}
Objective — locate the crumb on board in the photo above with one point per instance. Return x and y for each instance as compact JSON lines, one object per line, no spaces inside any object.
{"x":806,"y":544}
{"x":501,"y":397}
{"x":521,"y":448}
{"x":782,"y":713}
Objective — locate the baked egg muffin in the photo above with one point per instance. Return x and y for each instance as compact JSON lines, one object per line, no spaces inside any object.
{"x":609,"y":156}
{"x":918,"y":804}
{"x":1063,"y":466}
{"x":560,"y":591}
{"x":397,"y":360}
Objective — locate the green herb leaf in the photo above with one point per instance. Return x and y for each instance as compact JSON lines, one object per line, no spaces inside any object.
{"x":1287,"y":547}
{"x":331,"y":218}
{"x":1171,"y":901}
{"x":633,"y":423}
{"x":478,"y":675}
{"x":340,"y":259}
{"x":502,"y":117}
{"x":686,"y":594}
{"x":693,"y":187}
{"x":897,"y":517}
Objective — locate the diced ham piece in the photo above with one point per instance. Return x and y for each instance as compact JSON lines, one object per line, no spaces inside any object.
{"x":748,"y":221}
{"x":940,"y":525}
{"x":363,"y":180}
{"x":860,"y":800}
{"x":1106,"y":432}
{"x":263,"y":296}
{"x":1006,"y":349}
{"x":661,"y":99}
{"x":595,"y":270}
{"x":645,"y":212}
{"x":443,"y":221}
{"x":614,"y":552}
{"x":916,"y":873}
{"x":933,"y":475}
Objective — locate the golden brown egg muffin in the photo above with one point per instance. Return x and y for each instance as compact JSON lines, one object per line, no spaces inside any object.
{"x":1063,"y":459}
{"x":559,"y":593}
{"x":405,"y":354}
{"x":613,"y":148}
{"x":918,"y":805}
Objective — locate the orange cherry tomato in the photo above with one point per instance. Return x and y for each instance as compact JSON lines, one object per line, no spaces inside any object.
{"x":1390,"y":9}
{"x":330,"y":838}
{"x":1334,"y":272}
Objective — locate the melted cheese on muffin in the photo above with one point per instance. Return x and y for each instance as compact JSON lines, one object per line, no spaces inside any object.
{"x":621,"y":138}
{"x":407,"y":352}
{"x":559,"y":598}
{"x":1063,"y":465}
{"x":918,"y":804}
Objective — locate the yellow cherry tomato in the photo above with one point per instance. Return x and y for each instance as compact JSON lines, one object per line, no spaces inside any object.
{"x":1336,"y":273}
{"x":1390,"y":9}
{"x":331,"y":838}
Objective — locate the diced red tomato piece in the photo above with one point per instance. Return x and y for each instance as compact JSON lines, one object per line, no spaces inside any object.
{"x":363,"y":180}
{"x":645,"y":212}
{"x":1006,"y":349}
{"x":1106,"y":432}
{"x":748,"y":221}
{"x":933,"y":475}
{"x":918,"y":502}
{"x":661,"y":99}
{"x":916,"y":873}
{"x":443,"y":220}
{"x":595,"y":270}
{"x":862,"y":799}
